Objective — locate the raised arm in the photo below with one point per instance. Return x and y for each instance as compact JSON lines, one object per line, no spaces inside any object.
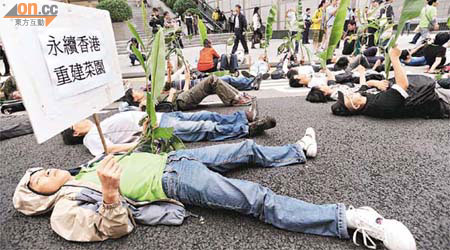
{"x":187,"y":78}
{"x":75,"y":220}
{"x":399,"y":72}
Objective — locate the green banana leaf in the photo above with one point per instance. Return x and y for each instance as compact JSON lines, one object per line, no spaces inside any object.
{"x":269,"y":25}
{"x":411,"y":9}
{"x":158,"y":70}
{"x":162,"y":133}
{"x":144,"y":20}
{"x":336,"y":32}
{"x":139,"y":57}
{"x":299,"y":20}
{"x":136,"y":35}
{"x":448,"y":22}
{"x":202,"y":30}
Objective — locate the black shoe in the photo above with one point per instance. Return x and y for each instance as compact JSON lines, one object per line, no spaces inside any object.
{"x":257,"y":82}
{"x":258,"y":127}
{"x":246,"y":74}
{"x":132,"y":63}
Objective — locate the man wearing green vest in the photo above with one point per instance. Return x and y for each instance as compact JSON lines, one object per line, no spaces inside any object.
{"x":105,"y":198}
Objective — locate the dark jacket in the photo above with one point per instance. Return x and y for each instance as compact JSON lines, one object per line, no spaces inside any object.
{"x":242,"y":23}
{"x":155,"y":22}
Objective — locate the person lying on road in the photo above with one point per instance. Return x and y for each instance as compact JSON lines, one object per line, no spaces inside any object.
{"x":123,"y":130}
{"x":409,"y":96}
{"x":105,"y":198}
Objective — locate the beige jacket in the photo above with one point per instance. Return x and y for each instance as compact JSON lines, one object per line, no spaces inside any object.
{"x":80,"y":215}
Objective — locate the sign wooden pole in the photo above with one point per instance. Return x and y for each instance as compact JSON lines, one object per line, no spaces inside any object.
{"x":99,"y":129}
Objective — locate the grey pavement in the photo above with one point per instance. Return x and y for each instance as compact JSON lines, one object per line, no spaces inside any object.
{"x":399,"y":167}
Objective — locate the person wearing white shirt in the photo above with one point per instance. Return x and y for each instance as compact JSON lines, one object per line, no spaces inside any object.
{"x":330,"y":16}
{"x":123,"y":130}
{"x":257,"y":33}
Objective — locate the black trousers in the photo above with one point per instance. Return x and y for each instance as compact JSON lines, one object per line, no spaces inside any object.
{"x":305,"y":34}
{"x":257,"y":36}
{"x":190,"y":29}
{"x":371,"y":36}
{"x":239,"y":37}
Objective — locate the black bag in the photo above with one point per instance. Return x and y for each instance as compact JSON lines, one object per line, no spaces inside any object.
{"x":277,"y":74}
{"x":164,"y":107}
{"x":8,"y":132}
{"x":9,"y":108}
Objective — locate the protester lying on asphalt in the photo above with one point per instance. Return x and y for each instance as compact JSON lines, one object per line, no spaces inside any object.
{"x":329,"y":92}
{"x":410,"y":58}
{"x":104,"y":199}
{"x":434,"y":53}
{"x":189,"y":98}
{"x":409,"y":96}
{"x":122,"y":130}
{"x":304,"y":76}
{"x":241,"y":83}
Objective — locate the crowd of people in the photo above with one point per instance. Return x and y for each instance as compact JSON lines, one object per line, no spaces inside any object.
{"x":105,"y":197}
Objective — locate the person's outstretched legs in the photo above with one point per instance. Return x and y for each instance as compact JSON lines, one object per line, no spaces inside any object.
{"x":190,"y":182}
{"x":209,"y":86}
{"x":225,"y":157}
{"x":204,"y":125}
{"x":240,"y":83}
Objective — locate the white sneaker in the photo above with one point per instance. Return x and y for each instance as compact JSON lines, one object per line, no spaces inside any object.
{"x":309,"y":143}
{"x":393,"y":234}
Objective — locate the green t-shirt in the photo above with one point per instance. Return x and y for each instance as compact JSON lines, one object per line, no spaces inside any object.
{"x":141,"y":178}
{"x":427,"y":15}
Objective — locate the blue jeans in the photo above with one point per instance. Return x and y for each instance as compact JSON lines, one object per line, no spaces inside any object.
{"x":190,"y":177}
{"x":240,"y":83}
{"x":204,"y":125}
{"x":417,"y":61}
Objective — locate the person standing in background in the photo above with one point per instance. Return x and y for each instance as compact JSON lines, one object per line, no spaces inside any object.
{"x":240,"y":25}
{"x":195,"y":24}
{"x":231,"y":21}
{"x":428,"y":21}
{"x":308,"y":22}
{"x":257,"y":34}
{"x":316,"y":26}
{"x":189,"y":23}
{"x":329,"y":21}
{"x":291,"y":16}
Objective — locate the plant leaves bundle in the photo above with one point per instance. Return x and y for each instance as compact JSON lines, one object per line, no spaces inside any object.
{"x":411,"y":9}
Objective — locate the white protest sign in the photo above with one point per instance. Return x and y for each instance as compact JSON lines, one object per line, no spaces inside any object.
{"x":64,"y":59}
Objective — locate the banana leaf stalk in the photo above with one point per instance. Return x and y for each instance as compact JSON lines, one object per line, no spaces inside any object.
{"x":300,"y":25}
{"x":269,"y":27}
{"x":156,"y":139}
{"x":411,"y":9}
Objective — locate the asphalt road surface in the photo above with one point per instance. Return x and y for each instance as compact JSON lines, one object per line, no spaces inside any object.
{"x":399,"y":167}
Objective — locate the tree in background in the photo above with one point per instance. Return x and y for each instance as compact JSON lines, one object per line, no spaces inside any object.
{"x":181,"y":6}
